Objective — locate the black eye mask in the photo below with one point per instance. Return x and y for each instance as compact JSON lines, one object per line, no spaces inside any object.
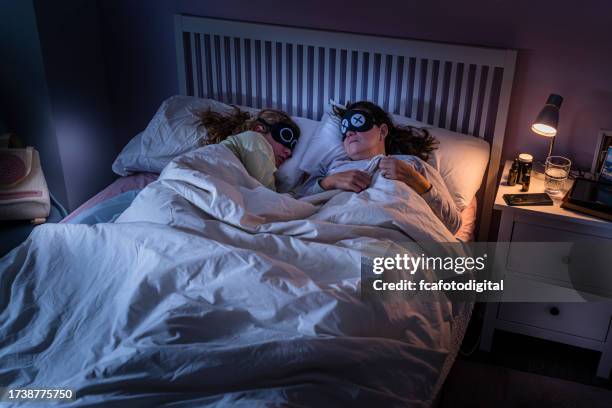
{"x":283,"y":133}
{"x":359,"y":121}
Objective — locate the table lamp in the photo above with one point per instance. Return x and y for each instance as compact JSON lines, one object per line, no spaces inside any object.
{"x":548,"y":119}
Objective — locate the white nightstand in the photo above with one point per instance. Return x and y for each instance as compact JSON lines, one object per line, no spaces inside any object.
{"x":582,"y":324}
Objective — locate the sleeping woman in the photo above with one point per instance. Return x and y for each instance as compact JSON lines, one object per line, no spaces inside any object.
{"x":373,"y":143}
{"x":261,"y":144}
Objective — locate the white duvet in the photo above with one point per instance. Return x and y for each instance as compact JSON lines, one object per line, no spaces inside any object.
{"x":211,"y":289}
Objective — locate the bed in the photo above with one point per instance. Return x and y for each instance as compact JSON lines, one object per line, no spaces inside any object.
{"x":211,"y":290}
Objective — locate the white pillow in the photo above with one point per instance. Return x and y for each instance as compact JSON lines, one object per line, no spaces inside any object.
{"x":289,"y":173}
{"x":460,"y":159}
{"x":324,"y":146}
{"x":174,"y":131}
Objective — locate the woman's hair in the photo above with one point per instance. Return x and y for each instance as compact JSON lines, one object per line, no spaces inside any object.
{"x":221,"y":125}
{"x":400,"y":139}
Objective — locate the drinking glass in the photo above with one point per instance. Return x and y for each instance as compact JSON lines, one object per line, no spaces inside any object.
{"x":556,"y":172}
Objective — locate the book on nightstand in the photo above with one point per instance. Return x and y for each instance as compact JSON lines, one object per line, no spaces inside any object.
{"x":590,"y":197}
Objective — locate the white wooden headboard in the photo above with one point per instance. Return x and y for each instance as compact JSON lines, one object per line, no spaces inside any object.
{"x":461,"y":88}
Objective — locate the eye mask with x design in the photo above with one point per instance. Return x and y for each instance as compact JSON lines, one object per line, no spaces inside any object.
{"x":356,"y":120}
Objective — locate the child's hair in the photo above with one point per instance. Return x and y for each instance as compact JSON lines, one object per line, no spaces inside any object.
{"x":221,"y":125}
{"x":400,"y":139}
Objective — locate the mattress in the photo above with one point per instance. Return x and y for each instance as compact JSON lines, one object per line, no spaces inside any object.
{"x":139,"y":181}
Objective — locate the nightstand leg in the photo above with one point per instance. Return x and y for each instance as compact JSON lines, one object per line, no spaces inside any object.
{"x":605,"y":362}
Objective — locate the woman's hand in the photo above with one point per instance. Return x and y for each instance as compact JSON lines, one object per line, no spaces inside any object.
{"x":351,"y":180}
{"x":395,"y":169}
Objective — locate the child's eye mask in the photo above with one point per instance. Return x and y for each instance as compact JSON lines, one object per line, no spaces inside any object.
{"x":283,"y":133}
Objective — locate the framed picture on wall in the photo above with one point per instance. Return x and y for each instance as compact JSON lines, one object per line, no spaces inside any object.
{"x":604,"y":142}
{"x":606,"y":167}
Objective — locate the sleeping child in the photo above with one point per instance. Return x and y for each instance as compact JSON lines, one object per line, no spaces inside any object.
{"x":261,"y":144}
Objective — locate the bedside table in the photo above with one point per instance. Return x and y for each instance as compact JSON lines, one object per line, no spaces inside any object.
{"x":578,"y":323}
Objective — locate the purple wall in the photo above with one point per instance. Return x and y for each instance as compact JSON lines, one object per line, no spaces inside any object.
{"x":53,"y":92}
{"x":563,"y":48}
{"x":79,"y":105}
{"x":24,"y":97}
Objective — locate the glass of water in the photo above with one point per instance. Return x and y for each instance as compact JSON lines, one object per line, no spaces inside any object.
{"x":556,"y":172}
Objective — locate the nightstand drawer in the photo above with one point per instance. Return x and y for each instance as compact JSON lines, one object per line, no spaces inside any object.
{"x":562,"y":261}
{"x":589,"y":320}
{"x":528,"y":232}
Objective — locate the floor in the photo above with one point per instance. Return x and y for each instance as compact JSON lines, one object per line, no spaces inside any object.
{"x":521,"y":371}
{"x":472,"y":384}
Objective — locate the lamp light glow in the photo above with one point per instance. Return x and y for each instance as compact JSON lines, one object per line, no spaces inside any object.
{"x":548,"y":119}
{"x":544,"y":130}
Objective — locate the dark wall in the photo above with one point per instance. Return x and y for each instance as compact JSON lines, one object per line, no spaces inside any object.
{"x":53,"y":92}
{"x":24,"y":98}
{"x":74,"y":66}
{"x":140,"y":60}
{"x":564,"y":47}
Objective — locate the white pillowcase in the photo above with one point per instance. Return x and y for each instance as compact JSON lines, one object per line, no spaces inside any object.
{"x":460,"y":159}
{"x":325,"y":146}
{"x":289,"y":173}
{"x":174,"y":131}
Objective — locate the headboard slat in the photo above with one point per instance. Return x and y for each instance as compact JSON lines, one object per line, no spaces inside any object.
{"x":474,"y":97}
{"x":191,"y":72}
{"x":450,"y":97}
{"x":425,"y":102}
{"x":463,"y":98}
{"x":403,"y":85}
{"x":438,"y":93}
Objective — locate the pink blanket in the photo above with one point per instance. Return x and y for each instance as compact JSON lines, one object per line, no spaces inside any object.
{"x":121,"y":185}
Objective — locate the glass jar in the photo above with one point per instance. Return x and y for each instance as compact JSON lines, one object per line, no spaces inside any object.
{"x":524,"y":176}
